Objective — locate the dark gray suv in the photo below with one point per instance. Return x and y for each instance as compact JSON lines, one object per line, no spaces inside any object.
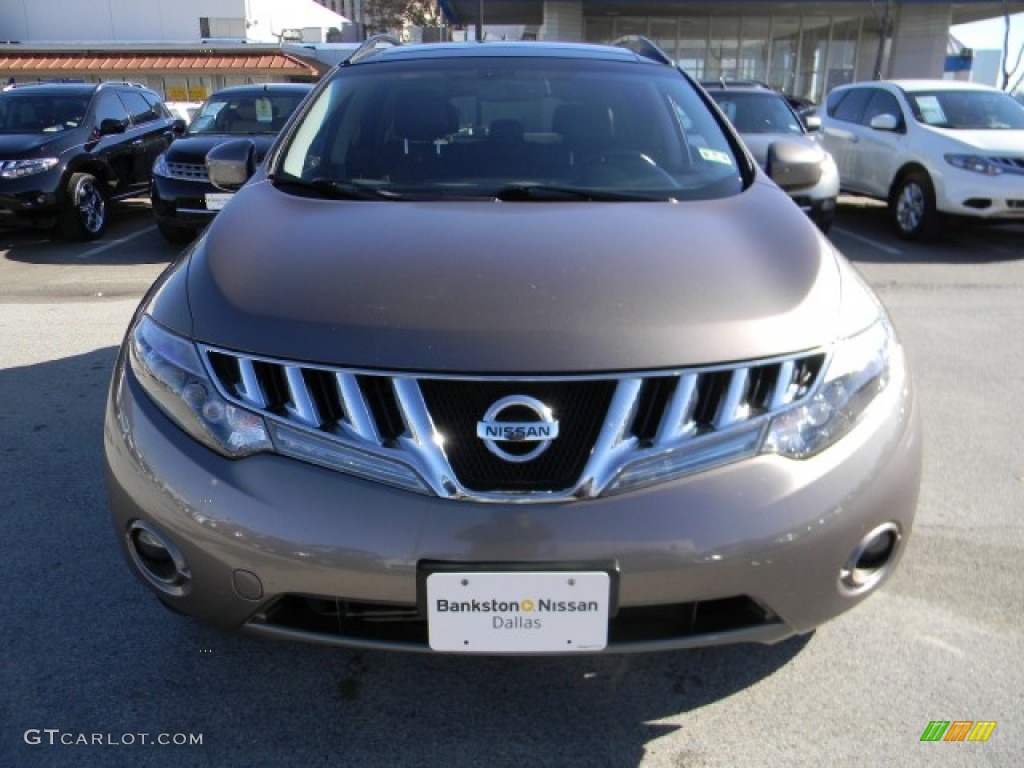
{"x":511,"y":348}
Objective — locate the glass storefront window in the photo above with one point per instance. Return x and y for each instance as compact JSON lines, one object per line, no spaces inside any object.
{"x":803,"y":55}
{"x":664,"y":34}
{"x":723,"y":50}
{"x":630,"y":26}
{"x":842,"y":56}
{"x":693,"y":41}
{"x":753,"y":53}
{"x":597,"y":29}
{"x":814,"y":40}
{"x":785,"y":50}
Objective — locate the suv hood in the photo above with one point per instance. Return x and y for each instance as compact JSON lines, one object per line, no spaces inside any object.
{"x":481,"y":286}
{"x":14,"y":146}
{"x":193,"y":149}
{"x":1010,"y":142}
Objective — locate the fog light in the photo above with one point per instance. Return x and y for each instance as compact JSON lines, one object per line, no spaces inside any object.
{"x":869,"y":560}
{"x":157,"y":559}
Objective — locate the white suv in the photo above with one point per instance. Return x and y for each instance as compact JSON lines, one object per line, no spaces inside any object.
{"x":929,"y":147}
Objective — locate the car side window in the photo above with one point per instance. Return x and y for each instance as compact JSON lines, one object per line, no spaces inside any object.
{"x":109,"y":107}
{"x":881,"y":103}
{"x":156,"y":105}
{"x":140,"y":110}
{"x":851,"y":107}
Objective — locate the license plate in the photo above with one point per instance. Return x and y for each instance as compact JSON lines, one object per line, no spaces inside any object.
{"x":520,"y":612}
{"x":217,"y":200}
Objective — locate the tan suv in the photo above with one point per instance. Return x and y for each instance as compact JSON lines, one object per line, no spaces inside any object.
{"x":511,"y":348}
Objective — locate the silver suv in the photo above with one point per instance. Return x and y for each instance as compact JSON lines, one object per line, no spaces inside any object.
{"x":510,"y":348}
{"x":764,"y":117}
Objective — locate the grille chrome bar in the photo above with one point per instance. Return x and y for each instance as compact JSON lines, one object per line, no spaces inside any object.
{"x":301,"y":406}
{"x":188,"y":171}
{"x":732,"y":407}
{"x":700,"y":417}
{"x":249,"y":389}
{"x":357,"y":420}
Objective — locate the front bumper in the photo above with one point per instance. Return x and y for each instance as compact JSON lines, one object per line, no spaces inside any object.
{"x":999,"y":198}
{"x":29,"y":197}
{"x":181,"y":203}
{"x":280,"y":547}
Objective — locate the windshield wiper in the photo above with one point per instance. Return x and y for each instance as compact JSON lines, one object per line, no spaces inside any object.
{"x":537,"y":192}
{"x":334,"y":189}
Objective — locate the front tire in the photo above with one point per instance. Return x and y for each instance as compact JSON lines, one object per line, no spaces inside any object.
{"x":913,"y":207}
{"x":84,"y":212}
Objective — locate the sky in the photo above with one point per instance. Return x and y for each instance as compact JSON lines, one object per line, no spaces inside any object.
{"x":989,"y":33}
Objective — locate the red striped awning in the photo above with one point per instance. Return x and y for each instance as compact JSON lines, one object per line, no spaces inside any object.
{"x":39,"y":63}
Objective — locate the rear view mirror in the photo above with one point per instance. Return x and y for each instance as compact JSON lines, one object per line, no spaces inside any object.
{"x":110,"y":125}
{"x":794,"y":165}
{"x":231,"y":164}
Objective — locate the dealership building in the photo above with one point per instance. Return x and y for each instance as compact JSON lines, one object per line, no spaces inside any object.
{"x":186,"y":48}
{"x":804,"y":48}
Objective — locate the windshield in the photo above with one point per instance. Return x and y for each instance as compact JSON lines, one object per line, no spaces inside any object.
{"x":245,"y":113}
{"x":758,"y":112}
{"x":967,"y":110}
{"x":523,"y":127}
{"x":41,"y":113}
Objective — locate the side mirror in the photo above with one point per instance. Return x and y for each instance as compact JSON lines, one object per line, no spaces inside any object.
{"x":231,"y":164}
{"x":110,"y":125}
{"x":812,"y":122}
{"x":885,"y":122}
{"x":792,"y":165}
{"x":178,"y":127}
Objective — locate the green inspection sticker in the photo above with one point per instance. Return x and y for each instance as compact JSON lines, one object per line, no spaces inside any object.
{"x":715,"y":156}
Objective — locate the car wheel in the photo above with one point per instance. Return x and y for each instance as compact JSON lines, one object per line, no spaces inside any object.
{"x":175,"y":235}
{"x":913,"y":207}
{"x":84,"y":216}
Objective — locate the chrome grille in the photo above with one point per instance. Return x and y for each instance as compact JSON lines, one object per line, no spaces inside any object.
{"x":188,"y":171}
{"x":424,"y":426}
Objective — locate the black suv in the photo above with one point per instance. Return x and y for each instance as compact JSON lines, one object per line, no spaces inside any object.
{"x":68,"y":148}
{"x":184,"y":200}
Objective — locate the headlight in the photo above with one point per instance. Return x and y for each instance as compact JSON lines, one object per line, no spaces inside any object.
{"x":169,"y":369}
{"x":975,"y":164}
{"x":160,"y":166}
{"x":15,"y":169}
{"x":860,"y":369}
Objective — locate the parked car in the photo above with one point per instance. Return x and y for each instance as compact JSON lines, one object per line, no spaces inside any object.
{"x":184,"y":201}
{"x":803,"y":106}
{"x":511,"y":348}
{"x":763,"y":117}
{"x":186,"y":110}
{"x":929,"y":148}
{"x":66,"y":149}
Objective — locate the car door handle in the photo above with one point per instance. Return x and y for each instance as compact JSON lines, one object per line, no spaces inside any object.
{"x":137,"y":143}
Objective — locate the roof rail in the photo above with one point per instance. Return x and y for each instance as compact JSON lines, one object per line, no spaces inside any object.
{"x":369,"y":47}
{"x":42,"y":81}
{"x":643,"y":46}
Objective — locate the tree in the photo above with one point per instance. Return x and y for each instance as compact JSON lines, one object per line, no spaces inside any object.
{"x":393,"y":15}
{"x":1013,"y":77}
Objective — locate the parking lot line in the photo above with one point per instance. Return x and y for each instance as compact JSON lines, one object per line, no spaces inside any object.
{"x":868,"y":241}
{"x":115,"y":243}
